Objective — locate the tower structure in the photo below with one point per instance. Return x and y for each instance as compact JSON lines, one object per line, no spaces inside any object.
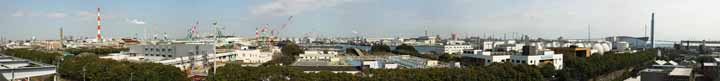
{"x":193,"y":31}
{"x":652,"y":30}
{"x":99,"y":33}
{"x":62,"y":38}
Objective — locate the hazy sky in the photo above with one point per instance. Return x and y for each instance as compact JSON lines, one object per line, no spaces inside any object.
{"x":675,"y":19}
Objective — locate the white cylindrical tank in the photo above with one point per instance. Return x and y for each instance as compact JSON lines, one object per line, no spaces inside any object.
{"x":598,"y":47}
{"x":606,"y":46}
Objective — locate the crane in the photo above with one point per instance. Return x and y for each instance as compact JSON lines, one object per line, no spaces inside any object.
{"x":282,"y":27}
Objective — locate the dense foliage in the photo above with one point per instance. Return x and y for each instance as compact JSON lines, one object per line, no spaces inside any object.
{"x":91,"y":68}
{"x":406,"y":49}
{"x":583,"y":69}
{"x":98,"y":51}
{"x":94,"y":69}
{"x":290,"y":51}
{"x":234,"y":72}
{"x":496,"y":72}
{"x":379,"y":48}
{"x":35,"y":55}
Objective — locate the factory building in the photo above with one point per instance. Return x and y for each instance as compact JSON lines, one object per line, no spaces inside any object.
{"x":455,"y":49}
{"x":531,"y":55}
{"x":159,"y":52}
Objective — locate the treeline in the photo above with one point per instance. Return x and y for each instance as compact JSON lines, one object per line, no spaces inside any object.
{"x":98,"y":51}
{"x":35,"y":55}
{"x":234,"y":72}
{"x":495,"y":72}
{"x":583,"y":69}
{"x":92,"y":68}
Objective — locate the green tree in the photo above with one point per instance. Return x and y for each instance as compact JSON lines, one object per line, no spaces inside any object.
{"x":406,"y":49}
{"x":548,"y":70}
{"x":95,"y":69}
{"x":290,"y":51}
{"x":379,"y":48}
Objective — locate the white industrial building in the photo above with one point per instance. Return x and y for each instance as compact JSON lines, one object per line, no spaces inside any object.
{"x":488,"y":57}
{"x":317,"y":55}
{"x":253,"y":56}
{"x":455,"y":49}
{"x":13,"y":68}
{"x":159,"y":52}
{"x":597,"y":46}
{"x":531,"y":55}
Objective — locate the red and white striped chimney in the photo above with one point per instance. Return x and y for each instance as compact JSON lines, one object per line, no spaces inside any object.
{"x":99,"y":33}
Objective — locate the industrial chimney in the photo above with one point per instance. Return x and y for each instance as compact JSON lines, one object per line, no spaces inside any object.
{"x":652,"y":30}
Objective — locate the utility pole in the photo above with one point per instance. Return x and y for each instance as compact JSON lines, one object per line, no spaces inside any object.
{"x":12,"y":71}
{"x":84,"y":72}
{"x":131,"y":76}
{"x":57,"y":66}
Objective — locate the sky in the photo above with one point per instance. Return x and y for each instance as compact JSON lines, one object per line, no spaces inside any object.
{"x":550,"y":19}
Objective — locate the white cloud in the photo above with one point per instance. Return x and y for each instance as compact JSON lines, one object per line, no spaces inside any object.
{"x":56,"y":15}
{"x":292,"y":7}
{"x":85,"y":14}
{"x":20,"y":13}
{"x":135,"y":21}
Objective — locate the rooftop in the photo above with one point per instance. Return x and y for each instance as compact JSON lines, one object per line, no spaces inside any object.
{"x":681,"y":72}
{"x":652,"y":70}
{"x":328,"y":68}
{"x":709,"y":64}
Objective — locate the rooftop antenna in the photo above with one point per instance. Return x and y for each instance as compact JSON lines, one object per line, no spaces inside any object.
{"x":504,"y":36}
{"x":145,"y":36}
{"x":218,"y":28}
{"x":645,"y":29}
{"x":588,"y":32}
{"x":426,"y":31}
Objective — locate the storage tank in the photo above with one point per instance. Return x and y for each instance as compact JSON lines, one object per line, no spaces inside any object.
{"x":598,"y":47}
{"x":606,"y":46}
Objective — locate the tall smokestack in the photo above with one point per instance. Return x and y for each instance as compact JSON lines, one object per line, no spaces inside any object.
{"x":62,"y":38}
{"x":652,"y":30}
{"x":99,"y":33}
